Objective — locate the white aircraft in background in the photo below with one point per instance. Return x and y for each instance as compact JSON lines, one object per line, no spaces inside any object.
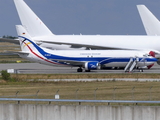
{"x":150,"y":22}
{"x":87,"y":59}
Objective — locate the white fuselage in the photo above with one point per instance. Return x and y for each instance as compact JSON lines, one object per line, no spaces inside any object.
{"x":111,"y":58}
{"x":106,"y":41}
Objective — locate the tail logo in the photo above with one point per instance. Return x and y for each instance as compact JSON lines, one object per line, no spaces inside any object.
{"x":26,"y":44}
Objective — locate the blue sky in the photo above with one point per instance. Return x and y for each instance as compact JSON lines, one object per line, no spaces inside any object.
{"x":106,"y":17}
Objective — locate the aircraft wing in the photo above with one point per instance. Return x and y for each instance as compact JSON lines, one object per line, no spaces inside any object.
{"x":15,"y":41}
{"x":88,"y":46}
{"x":70,"y":62}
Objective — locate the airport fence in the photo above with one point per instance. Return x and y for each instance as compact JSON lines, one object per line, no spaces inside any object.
{"x":114,"y":97}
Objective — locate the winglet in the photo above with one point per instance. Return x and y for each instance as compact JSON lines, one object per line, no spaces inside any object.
{"x":30,"y":20}
{"x":150,"y":22}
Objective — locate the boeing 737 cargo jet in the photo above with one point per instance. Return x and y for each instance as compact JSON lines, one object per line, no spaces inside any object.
{"x":43,"y":37}
{"x":83,"y":59}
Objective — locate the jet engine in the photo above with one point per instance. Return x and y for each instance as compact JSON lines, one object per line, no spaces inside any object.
{"x":151,"y":53}
{"x":156,"y":55}
{"x":158,"y":62}
{"x":92,"y":66}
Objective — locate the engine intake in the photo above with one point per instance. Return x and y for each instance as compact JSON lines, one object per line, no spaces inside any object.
{"x":158,"y":62}
{"x":92,"y":66}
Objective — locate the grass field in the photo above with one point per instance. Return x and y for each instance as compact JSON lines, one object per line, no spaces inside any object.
{"x":8,"y":47}
{"x":87,"y":76}
{"x":6,"y":53}
{"x":110,"y":90}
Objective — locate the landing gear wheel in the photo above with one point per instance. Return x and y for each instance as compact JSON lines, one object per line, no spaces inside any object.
{"x":140,"y":70}
{"x":79,"y":70}
{"x":87,"y":70}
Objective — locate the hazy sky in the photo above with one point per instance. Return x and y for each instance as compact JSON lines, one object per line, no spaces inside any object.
{"x":109,"y":17}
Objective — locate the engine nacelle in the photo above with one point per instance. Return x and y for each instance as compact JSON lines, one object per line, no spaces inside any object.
{"x":152,"y":53}
{"x":158,"y":62}
{"x":156,"y":56}
{"x":92,"y":66}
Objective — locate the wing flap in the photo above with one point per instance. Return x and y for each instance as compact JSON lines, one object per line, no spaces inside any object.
{"x":74,"y":63}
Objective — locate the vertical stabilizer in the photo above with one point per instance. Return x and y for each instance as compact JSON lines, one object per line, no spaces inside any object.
{"x":30,"y":20}
{"x":150,"y":22}
{"x":24,"y":38}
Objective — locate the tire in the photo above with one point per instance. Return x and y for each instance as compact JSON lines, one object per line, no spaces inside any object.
{"x":79,"y":70}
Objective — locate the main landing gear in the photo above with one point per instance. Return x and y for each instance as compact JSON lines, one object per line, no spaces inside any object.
{"x":140,"y":70}
{"x":81,"y":70}
{"x":87,"y":70}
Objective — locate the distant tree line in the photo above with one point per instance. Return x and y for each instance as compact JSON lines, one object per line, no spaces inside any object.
{"x":9,"y":37}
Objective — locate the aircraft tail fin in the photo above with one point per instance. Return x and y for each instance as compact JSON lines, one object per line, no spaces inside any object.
{"x":150,"y":22}
{"x":30,"y":20}
{"x":25,"y":39}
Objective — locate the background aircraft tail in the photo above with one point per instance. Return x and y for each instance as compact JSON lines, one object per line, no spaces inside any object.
{"x":150,"y":22}
{"x":31,"y":22}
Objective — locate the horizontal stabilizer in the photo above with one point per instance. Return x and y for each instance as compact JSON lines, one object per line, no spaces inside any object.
{"x":21,"y":52}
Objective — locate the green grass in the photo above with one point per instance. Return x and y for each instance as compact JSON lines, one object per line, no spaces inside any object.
{"x":12,"y":59}
{"x":67,"y":90}
{"x":10,"y":48}
{"x":87,"y":76}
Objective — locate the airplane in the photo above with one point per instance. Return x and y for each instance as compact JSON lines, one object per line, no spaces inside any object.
{"x":150,"y":22}
{"x":83,"y":59}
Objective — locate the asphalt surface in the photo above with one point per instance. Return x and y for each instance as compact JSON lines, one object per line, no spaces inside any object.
{"x":36,"y":68}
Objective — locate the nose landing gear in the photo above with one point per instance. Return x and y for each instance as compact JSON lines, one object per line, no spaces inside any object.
{"x":80,"y":70}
